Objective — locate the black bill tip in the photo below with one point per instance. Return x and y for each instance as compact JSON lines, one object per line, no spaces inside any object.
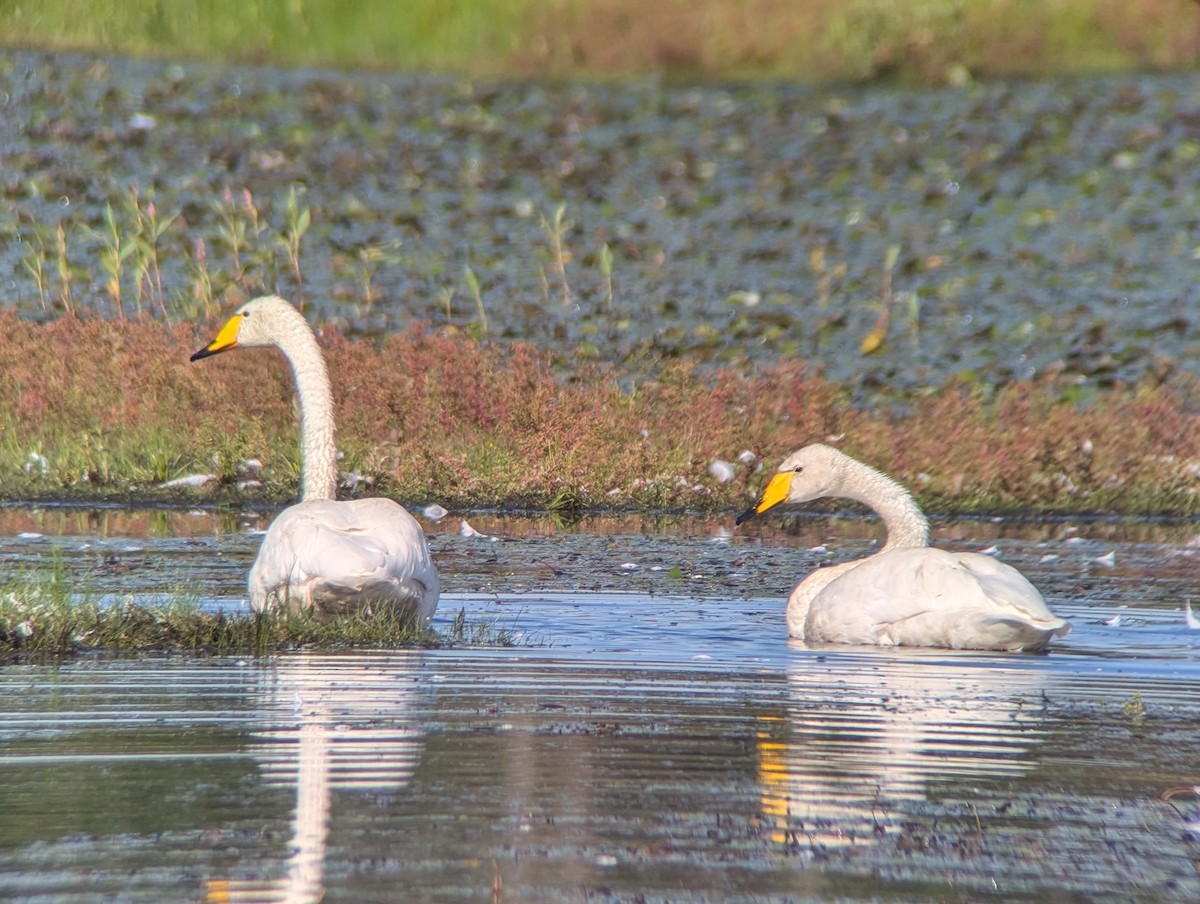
{"x":746,"y":515}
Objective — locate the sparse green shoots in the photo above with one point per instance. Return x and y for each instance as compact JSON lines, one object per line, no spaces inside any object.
{"x":606,"y":270}
{"x":33,"y":262}
{"x":64,"y":268}
{"x":201,"y":301}
{"x":480,"y":327}
{"x":875,"y":339}
{"x":446,"y":297}
{"x":148,"y":233}
{"x":370,"y":259}
{"x":555,"y":231}
{"x":297,"y":220}
{"x":117,"y":245}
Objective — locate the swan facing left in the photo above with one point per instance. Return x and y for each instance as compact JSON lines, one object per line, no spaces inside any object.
{"x":324,"y":555}
{"x":908,"y":593}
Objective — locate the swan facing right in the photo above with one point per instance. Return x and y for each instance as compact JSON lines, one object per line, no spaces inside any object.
{"x":908,"y":593}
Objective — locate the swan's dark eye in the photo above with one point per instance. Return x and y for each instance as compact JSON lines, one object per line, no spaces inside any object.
{"x":245,"y":315}
{"x":799,"y":468}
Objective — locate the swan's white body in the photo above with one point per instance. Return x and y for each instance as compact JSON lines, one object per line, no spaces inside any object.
{"x":322,"y":554}
{"x":908,"y":593}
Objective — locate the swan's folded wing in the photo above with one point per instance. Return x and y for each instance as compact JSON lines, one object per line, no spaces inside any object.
{"x":931,"y":597}
{"x":324,"y":551}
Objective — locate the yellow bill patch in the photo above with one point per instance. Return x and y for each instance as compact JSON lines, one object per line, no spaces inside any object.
{"x":226,"y":338}
{"x":775,"y":493}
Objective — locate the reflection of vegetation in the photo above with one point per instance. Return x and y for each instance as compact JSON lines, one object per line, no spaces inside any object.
{"x":925,"y":40}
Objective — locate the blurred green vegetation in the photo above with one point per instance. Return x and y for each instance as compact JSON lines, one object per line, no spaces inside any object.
{"x":411,"y":35}
{"x":921,"y":41}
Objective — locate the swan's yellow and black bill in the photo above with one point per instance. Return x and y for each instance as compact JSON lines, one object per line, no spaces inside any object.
{"x":226,"y":339}
{"x":775,"y":493}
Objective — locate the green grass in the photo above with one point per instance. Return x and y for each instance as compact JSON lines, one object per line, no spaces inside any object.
{"x":928,"y":41}
{"x":415,"y":34}
{"x":50,"y":612}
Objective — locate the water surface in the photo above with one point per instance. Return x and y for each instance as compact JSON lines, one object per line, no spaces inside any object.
{"x":651,"y":735}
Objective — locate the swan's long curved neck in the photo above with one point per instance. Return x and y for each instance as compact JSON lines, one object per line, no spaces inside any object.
{"x":318,"y":442}
{"x":906,"y":524}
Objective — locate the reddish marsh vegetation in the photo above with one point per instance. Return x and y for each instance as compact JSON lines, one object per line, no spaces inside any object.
{"x":94,"y":407}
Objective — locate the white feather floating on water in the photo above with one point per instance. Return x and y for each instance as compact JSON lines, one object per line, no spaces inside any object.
{"x":190,"y":480}
{"x":721,"y":470}
{"x":1189,"y":619}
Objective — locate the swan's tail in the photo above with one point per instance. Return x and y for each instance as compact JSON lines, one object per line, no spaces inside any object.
{"x":1025,"y":635}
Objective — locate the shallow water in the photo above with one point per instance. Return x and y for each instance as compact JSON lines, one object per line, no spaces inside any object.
{"x":651,"y":735}
{"x":1041,"y":228}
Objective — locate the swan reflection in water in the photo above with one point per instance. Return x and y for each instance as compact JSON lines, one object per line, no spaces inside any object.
{"x":863,"y":733}
{"x":329,"y":724}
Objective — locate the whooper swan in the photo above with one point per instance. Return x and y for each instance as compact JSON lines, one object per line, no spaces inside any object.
{"x":908,"y":593}
{"x":322,"y":554}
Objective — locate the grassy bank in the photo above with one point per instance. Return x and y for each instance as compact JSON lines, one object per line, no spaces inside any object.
{"x":927,"y":41}
{"x":443,"y":418}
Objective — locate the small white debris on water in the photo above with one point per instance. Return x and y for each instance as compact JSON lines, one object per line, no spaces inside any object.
{"x":1049,"y":557}
{"x":821,"y":550}
{"x":606,"y":860}
{"x":721,"y":470}
{"x":465,"y":530}
{"x":1113,"y":622}
{"x":434,"y":512}
{"x":628,"y":566}
{"x":991,"y":551}
{"x":190,"y":480}
{"x":1107,"y":560}
{"x":1189,"y":619}
{"x":29,"y":535}
{"x":749,"y":299}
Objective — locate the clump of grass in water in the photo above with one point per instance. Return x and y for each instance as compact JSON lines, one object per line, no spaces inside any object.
{"x":485,"y":633}
{"x":44,"y":612}
{"x":1134,"y":709}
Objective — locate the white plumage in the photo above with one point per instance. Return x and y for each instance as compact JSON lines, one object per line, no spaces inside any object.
{"x":323,"y":554}
{"x":908,"y":593}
